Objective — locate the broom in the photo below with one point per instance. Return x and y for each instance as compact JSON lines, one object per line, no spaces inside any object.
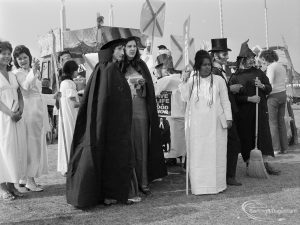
{"x":256,"y":167}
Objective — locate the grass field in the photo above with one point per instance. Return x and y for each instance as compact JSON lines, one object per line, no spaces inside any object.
{"x":278,"y":200}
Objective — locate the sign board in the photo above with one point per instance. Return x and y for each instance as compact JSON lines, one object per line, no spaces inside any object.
{"x":178,"y":53}
{"x":163,"y":102}
{"x":153,"y":18}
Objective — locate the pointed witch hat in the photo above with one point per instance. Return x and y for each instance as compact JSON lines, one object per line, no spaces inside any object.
{"x":245,"y":51}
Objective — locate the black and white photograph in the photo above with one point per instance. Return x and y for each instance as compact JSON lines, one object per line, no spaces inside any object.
{"x":149,"y":112}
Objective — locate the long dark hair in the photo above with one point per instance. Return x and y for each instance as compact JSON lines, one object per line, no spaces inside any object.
{"x":136,"y":59}
{"x":68,"y":70}
{"x":18,"y":51}
{"x":200,"y":56}
{"x":5,"y":45}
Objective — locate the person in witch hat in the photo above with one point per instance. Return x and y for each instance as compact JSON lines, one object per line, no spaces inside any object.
{"x":101,"y":159}
{"x":246,"y":99}
{"x":219,"y":53}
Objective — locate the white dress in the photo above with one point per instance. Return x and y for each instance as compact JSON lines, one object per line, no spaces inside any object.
{"x":176,"y":120}
{"x":69,"y":115}
{"x":206,"y":134}
{"x":36,"y":121}
{"x":13,"y":148}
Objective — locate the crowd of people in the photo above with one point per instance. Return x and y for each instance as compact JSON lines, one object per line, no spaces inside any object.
{"x":110,"y":141}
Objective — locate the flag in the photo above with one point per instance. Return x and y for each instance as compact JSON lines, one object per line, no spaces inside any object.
{"x":153,"y":18}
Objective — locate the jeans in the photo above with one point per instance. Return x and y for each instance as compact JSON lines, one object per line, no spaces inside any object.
{"x":276,"y":108}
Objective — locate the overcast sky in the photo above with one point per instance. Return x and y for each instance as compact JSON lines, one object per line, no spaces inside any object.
{"x":23,"y":21}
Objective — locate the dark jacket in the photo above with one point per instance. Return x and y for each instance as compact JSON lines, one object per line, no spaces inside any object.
{"x":246,"y":115}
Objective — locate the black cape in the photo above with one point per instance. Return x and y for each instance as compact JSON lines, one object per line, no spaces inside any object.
{"x":246,"y":114}
{"x":156,"y":162}
{"x":101,"y":158}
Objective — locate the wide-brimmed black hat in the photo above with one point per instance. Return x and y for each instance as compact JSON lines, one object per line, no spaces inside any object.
{"x":219,"y":44}
{"x":112,"y":44}
{"x":245,"y":51}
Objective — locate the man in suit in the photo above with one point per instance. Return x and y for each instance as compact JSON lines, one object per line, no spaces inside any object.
{"x":219,"y":53}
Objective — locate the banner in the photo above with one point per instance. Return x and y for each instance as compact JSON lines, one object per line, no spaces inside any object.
{"x":153,"y":18}
{"x":178,"y":52}
{"x":186,"y":46}
{"x":163,"y":102}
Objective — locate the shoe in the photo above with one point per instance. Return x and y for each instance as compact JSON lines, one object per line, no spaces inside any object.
{"x":110,"y":202}
{"x":34,"y":188}
{"x":135,"y":199}
{"x":22,"y":183}
{"x":16,"y":193}
{"x":232,"y":181}
{"x":146,"y":191}
{"x":283,"y":152}
{"x":129,"y":202}
{"x":272,"y":171}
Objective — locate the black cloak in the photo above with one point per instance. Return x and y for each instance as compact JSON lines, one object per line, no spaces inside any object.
{"x":101,"y":153}
{"x":246,"y":114}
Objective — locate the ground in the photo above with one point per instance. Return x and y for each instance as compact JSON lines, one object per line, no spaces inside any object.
{"x":272,"y":201}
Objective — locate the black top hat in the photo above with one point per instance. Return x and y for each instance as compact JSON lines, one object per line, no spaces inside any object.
{"x":161,"y":47}
{"x":219,"y":44}
{"x":112,"y":44}
{"x":245,"y":51}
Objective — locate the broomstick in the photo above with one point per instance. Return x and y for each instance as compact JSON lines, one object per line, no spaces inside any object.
{"x":256,"y":167}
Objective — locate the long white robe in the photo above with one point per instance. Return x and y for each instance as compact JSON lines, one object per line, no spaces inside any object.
{"x":206,"y":134}
{"x":13,"y":147}
{"x":176,"y":120}
{"x":69,"y":115}
{"x":35,"y":115}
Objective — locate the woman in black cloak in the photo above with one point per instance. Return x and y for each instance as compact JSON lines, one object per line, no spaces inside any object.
{"x":101,"y":160}
{"x":146,"y":140}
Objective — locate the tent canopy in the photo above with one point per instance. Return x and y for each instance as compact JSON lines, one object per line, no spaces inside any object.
{"x":85,"y":41}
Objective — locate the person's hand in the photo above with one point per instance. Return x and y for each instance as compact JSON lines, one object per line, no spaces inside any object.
{"x":254,"y":99}
{"x":141,"y":82}
{"x":185,"y":76}
{"x":235,"y":88}
{"x":259,"y":84}
{"x":229,"y":124}
{"x":57,"y":95}
{"x":16,"y":116}
{"x":35,"y":65}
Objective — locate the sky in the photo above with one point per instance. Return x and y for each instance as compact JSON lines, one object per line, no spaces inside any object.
{"x":23,"y":21}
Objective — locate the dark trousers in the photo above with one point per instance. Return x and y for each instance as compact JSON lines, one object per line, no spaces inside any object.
{"x":233,"y":149}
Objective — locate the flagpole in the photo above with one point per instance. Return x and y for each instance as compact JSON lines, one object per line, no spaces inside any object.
{"x":266,"y":24}
{"x":63,"y":23}
{"x":154,"y":25}
{"x":221,"y":18}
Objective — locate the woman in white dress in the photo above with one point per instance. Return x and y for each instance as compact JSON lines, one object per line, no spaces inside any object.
{"x":67,"y":114}
{"x":35,"y":116}
{"x":12,"y":129}
{"x":208,"y":116}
